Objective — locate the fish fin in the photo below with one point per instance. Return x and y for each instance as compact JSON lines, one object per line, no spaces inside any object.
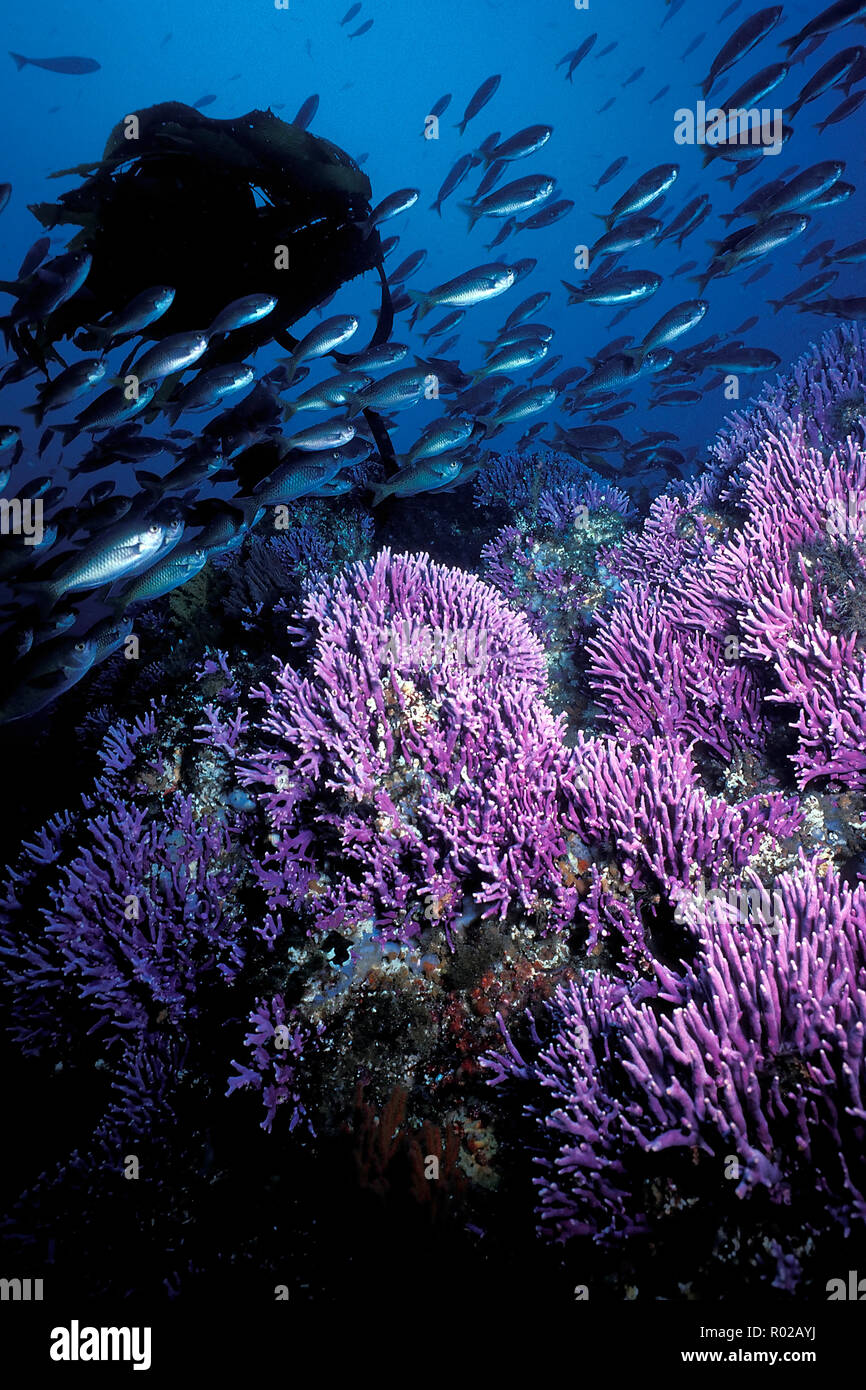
{"x":148,"y":481}
{"x":291,"y":369}
{"x":422,"y":306}
{"x":380,"y":491}
{"x":19,"y":59}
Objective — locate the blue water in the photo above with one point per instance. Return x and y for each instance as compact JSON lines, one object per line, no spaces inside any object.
{"x":375,"y":92}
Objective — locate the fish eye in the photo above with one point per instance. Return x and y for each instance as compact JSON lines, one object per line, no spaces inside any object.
{"x":154,"y":528}
{"x":81,"y":646}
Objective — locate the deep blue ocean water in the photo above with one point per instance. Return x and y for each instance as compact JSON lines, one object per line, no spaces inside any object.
{"x":375,"y":92}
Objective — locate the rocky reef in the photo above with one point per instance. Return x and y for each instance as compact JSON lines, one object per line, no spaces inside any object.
{"x":538,"y":888}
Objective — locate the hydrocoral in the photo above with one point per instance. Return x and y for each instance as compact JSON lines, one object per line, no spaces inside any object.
{"x":759,"y":607}
{"x":783,"y":587}
{"x":545,"y":564}
{"x":414,"y":760}
{"x":517,"y":480}
{"x":719,"y":1066}
{"x":826,"y":390}
{"x":276,"y":1044}
{"x":750,"y":1059}
{"x":130,"y":927}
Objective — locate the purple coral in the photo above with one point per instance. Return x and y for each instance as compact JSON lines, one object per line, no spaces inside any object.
{"x":826,"y":390}
{"x":414,"y":760}
{"x":672,"y":535}
{"x":790,"y":586}
{"x":755,"y":1055}
{"x":653,"y":677}
{"x":277,"y":1042}
{"x":546,"y":564}
{"x":646,"y":802}
{"x":717,"y":624}
{"x":134,"y":926}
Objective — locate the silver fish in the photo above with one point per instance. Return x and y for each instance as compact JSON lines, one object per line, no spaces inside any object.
{"x":139,"y":313}
{"x":331,"y":434}
{"x":242,"y":312}
{"x":420,"y":476}
{"x":167,"y":574}
{"x":173,"y":354}
{"x":472,"y":287}
{"x":439,"y":437}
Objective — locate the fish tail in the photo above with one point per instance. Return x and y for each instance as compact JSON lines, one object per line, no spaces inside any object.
{"x":422,"y":306}
{"x":69,"y":432}
{"x":798,"y":104}
{"x":98,"y":330}
{"x":36,"y":411}
{"x":461,"y":126}
{"x":776,"y":303}
{"x":790,"y":45}
{"x":19,"y":59}
{"x":380,"y":491}
{"x":436,"y":207}
{"x":248,"y":506}
{"x":472,"y":213}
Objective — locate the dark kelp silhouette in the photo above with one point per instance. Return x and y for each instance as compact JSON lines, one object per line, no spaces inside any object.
{"x":217,"y":209}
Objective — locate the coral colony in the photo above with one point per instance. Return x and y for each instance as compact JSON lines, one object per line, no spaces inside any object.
{"x":565,"y":855}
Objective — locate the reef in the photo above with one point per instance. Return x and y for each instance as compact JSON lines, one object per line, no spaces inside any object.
{"x":424,"y":873}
